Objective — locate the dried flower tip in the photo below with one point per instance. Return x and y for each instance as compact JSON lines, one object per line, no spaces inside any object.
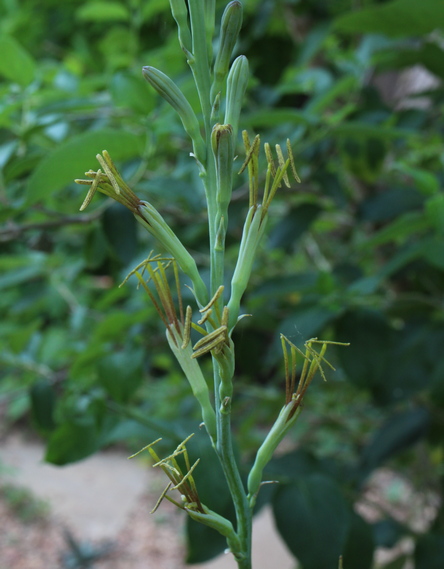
{"x":92,"y":189}
{"x":292,"y":164}
{"x":283,"y":165}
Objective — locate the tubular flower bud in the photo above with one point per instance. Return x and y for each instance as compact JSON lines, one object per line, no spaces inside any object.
{"x":229,"y":32}
{"x":151,"y":219}
{"x":252,"y":233}
{"x":174,"y":96}
{"x":180,"y":14}
{"x":222,"y":145}
{"x":236,"y":86}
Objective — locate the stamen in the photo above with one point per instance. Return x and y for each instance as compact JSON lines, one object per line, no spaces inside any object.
{"x":92,"y":190}
{"x":292,"y":164}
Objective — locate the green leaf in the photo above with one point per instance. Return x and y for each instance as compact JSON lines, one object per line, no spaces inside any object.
{"x":429,"y":551}
{"x":71,"y":159}
{"x":120,"y":228}
{"x":43,"y":400}
{"x":366,"y":362}
{"x":311,"y":512}
{"x":359,"y":548}
{"x":388,"y":532}
{"x":285,"y":285}
{"x":132,"y":92}
{"x":363,"y":130}
{"x":389,"y":204}
{"x":121,"y":374}
{"x":398,"y":230}
{"x":291,"y":228}
{"x":15,"y":62}
{"x":273,"y":117}
{"x":435,"y":211}
{"x":399,"y":18}
{"x":425,"y":181}
{"x":399,"y":432}
{"x":103,"y":12}
{"x":72,"y":441}
{"x":307,"y":321}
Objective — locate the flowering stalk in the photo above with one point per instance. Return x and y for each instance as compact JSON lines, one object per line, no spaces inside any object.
{"x":221,"y":88}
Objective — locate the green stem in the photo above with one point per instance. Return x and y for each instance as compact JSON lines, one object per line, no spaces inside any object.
{"x":224,"y":449}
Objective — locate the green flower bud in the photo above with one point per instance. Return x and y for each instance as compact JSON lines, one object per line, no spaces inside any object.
{"x":252,"y":233}
{"x":180,"y":14}
{"x":222,"y":145}
{"x":174,"y":96}
{"x":266,"y":450}
{"x":229,"y":32}
{"x":151,"y":219}
{"x":236,"y":86}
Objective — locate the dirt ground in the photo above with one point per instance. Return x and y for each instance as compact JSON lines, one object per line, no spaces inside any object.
{"x":104,"y":503}
{"x":144,"y":543}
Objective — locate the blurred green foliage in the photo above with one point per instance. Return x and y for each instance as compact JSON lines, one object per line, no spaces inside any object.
{"x":355,"y":253}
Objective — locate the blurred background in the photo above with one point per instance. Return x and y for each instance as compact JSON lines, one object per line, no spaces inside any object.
{"x":355,"y":253}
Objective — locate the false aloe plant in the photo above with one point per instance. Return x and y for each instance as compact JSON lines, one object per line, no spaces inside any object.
{"x":221,"y":86}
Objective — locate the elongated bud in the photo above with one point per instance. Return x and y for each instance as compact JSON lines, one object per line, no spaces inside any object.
{"x":266,"y":450}
{"x":229,"y":32}
{"x":222,"y":145}
{"x":180,"y":14}
{"x":236,"y":86}
{"x":151,"y":219}
{"x":174,"y":96}
{"x":252,"y":233}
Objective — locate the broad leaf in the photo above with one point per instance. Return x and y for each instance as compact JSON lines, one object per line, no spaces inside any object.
{"x":311,"y":512}
{"x":396,"y":434}
{"x":15,"y":62}
{"x":399,"y":18}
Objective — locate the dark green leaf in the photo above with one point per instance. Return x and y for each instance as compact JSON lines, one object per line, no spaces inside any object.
{"x":429,"y":552}
{"x":311,"y":512}
{"x":289,"y":229}
{"x":359,"y":548}
{"x":43,"y":400}
{"x":367,"y":360}
{"x":390,"y":204}
{"x":398,"y":433}
{"x":121,"y":373}
{"x":72,"y":441}
{"x":395,"y":19}
{"x":120,"y":229}
{"x":307,"y":321}
{"x":388,"y":532}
